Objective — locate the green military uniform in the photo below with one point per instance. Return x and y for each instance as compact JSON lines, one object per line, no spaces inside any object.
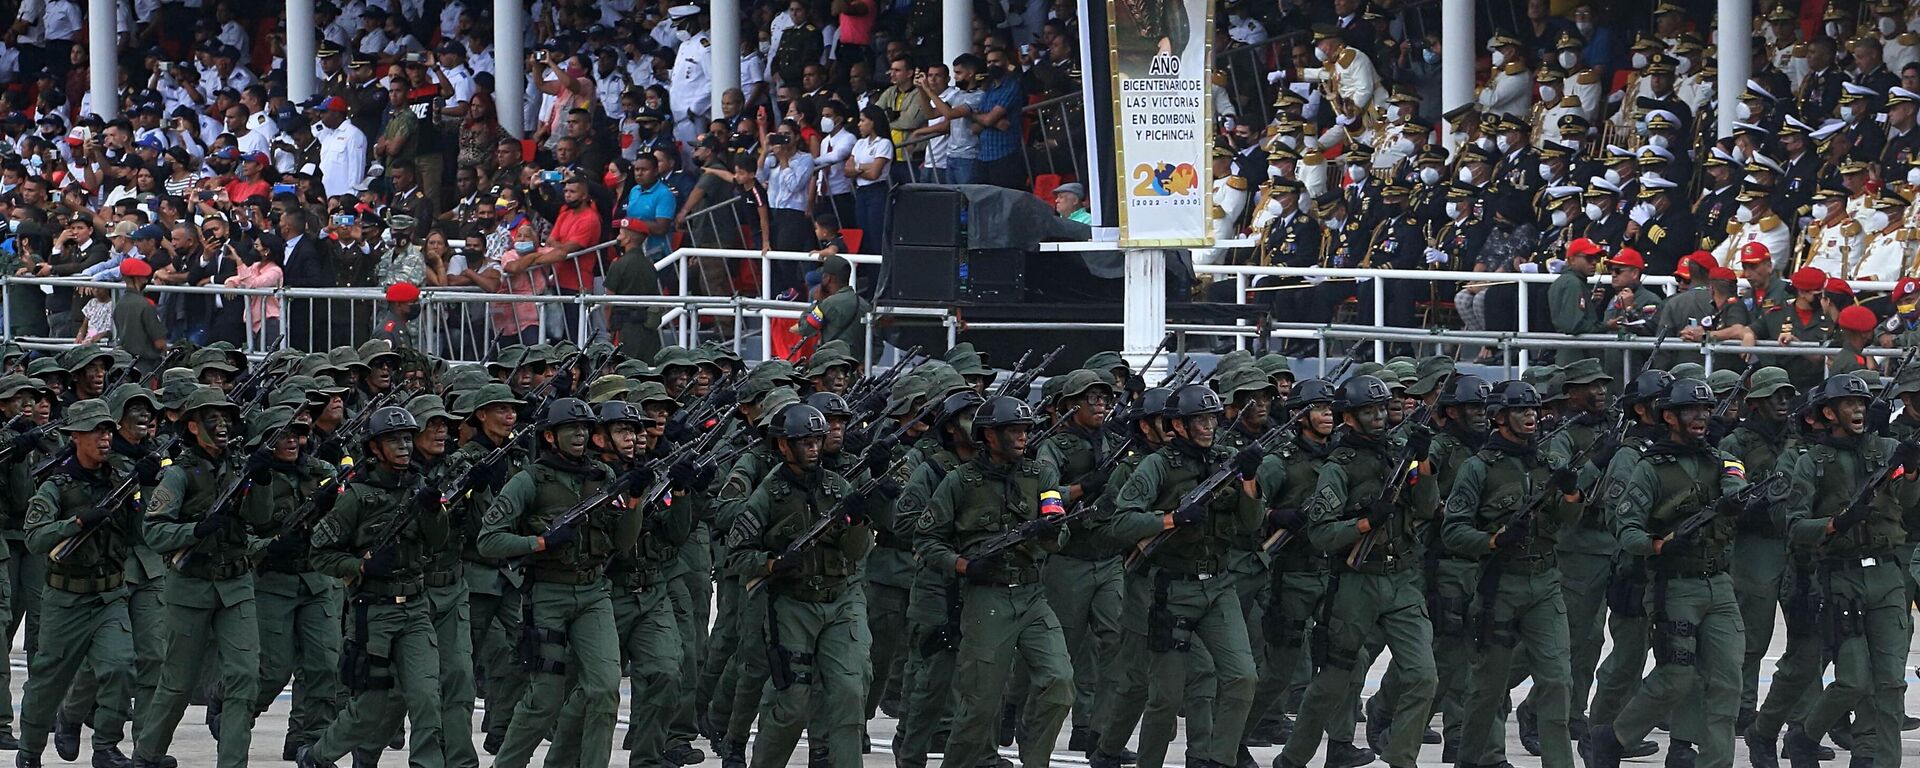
{"x":1760,"y":442}
{"x":651,"y":644}
{"x":566,"y":606}
{"x":1584,"y":549}
{"x":933,"y":617}
{"x":380,"y":534}
{"x":816,"y":624}
{"x":16,"y":480}
{"x":837,"y":317}
{"x":1192,"y":611}
{"x":299,"y":606}
{"x":1813,"y":326}
{"x":1004,"y":611}
{"x":209,"y":596}
{"x":1574,"y":311}
{"x":1517,"y":597}
{"x":1379,"y":594}
{"x":1287,"y":477}
{"x":1697,"y":635}
{"x":84,"y":616}
{"x":493,"y":592}
{"x":1855,"y":547}
{"x":1679,"y":312}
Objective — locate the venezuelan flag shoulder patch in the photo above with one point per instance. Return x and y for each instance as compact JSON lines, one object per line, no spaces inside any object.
{"x":1734,"y":469}
{"x":1050,"y":503}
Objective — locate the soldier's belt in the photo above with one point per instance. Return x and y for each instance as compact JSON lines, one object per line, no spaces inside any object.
{"x":575,"y":577}
{"x":1191,"y":569}
{"x":1528,"y":565}
{"x":210,"y":569}
{"x":367,"y":599}
{"x":891,"y":540}
{"x":1860,"y":559}
{"x":292,"y":566}
{"x":378,"y":588}
{"x":442,"y":578}
{"x":86,"y":585}
{"x":1379,"y":565}
{"x":1086,"y":557}
{"x":810,"y":589}
{"x":1308,"y":562}
{"x":1690,"y":568}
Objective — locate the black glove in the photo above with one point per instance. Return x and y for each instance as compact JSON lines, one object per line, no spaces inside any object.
{"x":25,"y":441}
{"x":381,"y":562}
{"x":679,"y":430}
{"x":427,"y":497}
{"x":787,"y":563}
{"x":211,"y":525}
{"x":1604,"y":449}
{"x":1091,"y":484}
{"x":95,"y":515}
{"x":980,"y":570}
{"x":287,"y":546}
{"x":1194,"y":512}
{"x":1419,"y":442}
{"x":879,"y":457}
{"x":1854,"y":515}
{"x":725,"y":397}
{"x":1247,"y":462}
{"x":871,"y":402}
{"x":1287,"y":519}
{"x":1907,"y":454}
{"x":561,"y":535}
{"x":1044,"y":526}
{"x":857,"y":510}
{"x":258,"y":462}
{"x":1676,"y":546}
{"x":148,"y":470}
{"x":1135,"y":387}
{"x":707,"y":473}
{"x":1879,"y":415}
{"x":324,"y":498}
{"x":684,"y":474}
{"x":1511,"y":536}
{"x":1380,"y":512}
{"x":1565,"y":480}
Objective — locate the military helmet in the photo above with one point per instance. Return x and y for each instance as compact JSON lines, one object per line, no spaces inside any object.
{"x":1193,"y":400}
{"x":955,"y":406}
{"x":1690,"y":392}
{"x":1002,"y":411}
{"x":1359,"y":392}
{"x":1647,"y":387}
{"x":1468,"y":389}
{"x":1512,"y":394}
{"x":1311,"y":392}
{"x":1153,"y":402}
{"x":614,"y":411}
{"x":800,"y":420}
{"x":390,"y":418}
{"x":830,"y":404}
{"x":1837,"y":387}
{"x":567,"y":410}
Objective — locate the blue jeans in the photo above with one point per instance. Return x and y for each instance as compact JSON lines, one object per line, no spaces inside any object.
{"x":870,"y":209}
{"x":962,"y":170}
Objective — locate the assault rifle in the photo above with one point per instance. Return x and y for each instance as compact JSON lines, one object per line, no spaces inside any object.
{"x":1013,"y":537}
{"x":1396,"y":484}
{"x":162,"y":448}
{"x":1767,"y":488}
{"x":814,"y":533}
{"x":1199,"y":494}
{"x":1720,"y":409}
{"x":1019,"y":381}
{"x":237,"y":488}
{"x":883,"y":382}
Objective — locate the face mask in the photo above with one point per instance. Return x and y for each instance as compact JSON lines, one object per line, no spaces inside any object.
{"x":1393,"y":113}
{"x":1658,"y":141}
{"x":1499,"y":59}
{"x":1567,"y":59}
{"x":1546,"y":172}
{"x":1585,"y":27}
{"x":1484,"y":143}
{"x":1429,"y":175}
{"x":1320,"y":53}
{"x":523,"y":246}
{"x":1459,"y":139}
{"x":1743,"y":215}
{"x":1465,"y":175}
{"x":827,"y":125}
{"x":1913,"y":177}
{"x":1681,"y":69}
{"x":1577,"y":144}
{"x":766,"y":46}
{"x":1887,"y":27}
{"x":1274,"y":170}
{"x":1850,"y":116}
{"x":1834,"y":29}
{"x":682,"y":35}
{"x":1742,"y":112}
{"x":1877,"y":221}
{"x":1612,"y":176}
{"x":1505,"y":144}
{"x":1403,"y":146}
{"x":1639,"y":61}
{"x":1336,"y":224}
{"x":1594,"y":212}
{"x":1453,"y":210}
{"x":1820,"y":211}
{"x":1559,"y":218}
{"x":611,"y":179}
{"x":1430,"y":56}
{"x":1549,"y":94}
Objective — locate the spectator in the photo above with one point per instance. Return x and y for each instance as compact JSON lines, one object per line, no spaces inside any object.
{"x":511,"y":271}
{"x":831,"y":149}
{"x":1070,"y":201}
{"x":576,"y":229}
{"x":998,"y":119}
{"x":651,"y":206}
{"x":787,"y":172}
{"x":97,"y":314}
{"x":872,"y":154}
{"x":905,"y":105}
{"x":262,"y":312}
{"x":343,"y":148}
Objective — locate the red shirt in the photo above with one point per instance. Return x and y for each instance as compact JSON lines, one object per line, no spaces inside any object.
{"x":239,"y":190}
{"x":580,"y":228}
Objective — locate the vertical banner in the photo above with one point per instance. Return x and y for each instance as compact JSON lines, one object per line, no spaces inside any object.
{"x":1163,"y":129}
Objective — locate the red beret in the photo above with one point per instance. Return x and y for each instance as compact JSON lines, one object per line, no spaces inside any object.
{"x":1753,"y":253}
{"x":135,"y":268}
{"x":1627,"y":257}
{"x":1582,"y":247}
{"x":1704,"y":259}
{"x":1906,"y":287}
{"x":403,"y":291}
{"x":635,"y":225}
{"x":1857,"y":318}
{"x":1722,"y":273}
{"x":1839,"y":286}
{"x":1808,"y":279}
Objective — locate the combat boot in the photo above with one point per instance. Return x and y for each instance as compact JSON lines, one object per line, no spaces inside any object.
{"x":1099,"y":759}
{"x":1082,"y":740}
{"x":1377,"y":723}
{"x":1009,"y":724}
{"x":366,"y":758}
{"x":1342,"y":754}
{"x":111,"y":757}
{"x":1763,"y":749}
{"x":66,"y":739}
{"x":1859,"y":761}
{"x":1646,"y":748}
{"x":214,"y":707}
{"x":1600,"y":749}
{"x":1680,"y":754}
{"x":817,"y":756}
{"x":736,"y":756}
{"x":682,"y":753}
{"x":1271,"y":731}
{"x":1281,"y":761}
{"x":304,"y":759}
{"x":1529,"y":731}
{"x":1744,"y":719}
{"x":1802,"y":752}
{"x":1842,"y":734}
{"x":493,"y":741}
{"x":26,"y":760}
{"x":1245,"y":759}
{"x":399,"y":740}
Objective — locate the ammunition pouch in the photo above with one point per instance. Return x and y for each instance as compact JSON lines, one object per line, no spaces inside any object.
{"x":360,"y":670}
{"x":1627,"y":591}
{"x":1166,"y":632}
{"x":531,"y":646}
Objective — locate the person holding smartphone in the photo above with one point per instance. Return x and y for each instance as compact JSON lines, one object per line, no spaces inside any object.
{"x":788,"y":174}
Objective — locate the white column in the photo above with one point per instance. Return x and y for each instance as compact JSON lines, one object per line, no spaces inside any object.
{"x":1458,"y":47}
{"x":103,"y":59}
{"x":509,"y":65}
{"x":1144,"y":321}
{"x":725,"y":35}
{"x":1735,"y":60}
{"x":956,"y":31}
{"x":300,"y":50}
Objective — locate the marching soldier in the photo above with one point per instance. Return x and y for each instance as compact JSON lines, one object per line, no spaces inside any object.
{"x":566,"y":607}
{"x":1762,"y":442}
{"x":380,"y":534}
{"x":1658,"y":507}
{"x":933,"y":609}
{"x":77,"y":518}
{"x":1379,"y":593}
{"x":210,"y":594}
{"x":493,"y":592}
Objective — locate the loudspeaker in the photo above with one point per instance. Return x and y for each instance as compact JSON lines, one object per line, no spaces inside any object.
{"x":992,"y":275}
{"x":926,"y":215}
{"x":920,"y":273}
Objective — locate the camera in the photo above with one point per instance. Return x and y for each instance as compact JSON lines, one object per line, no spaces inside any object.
{"x":343,"y":220}
{"x":779,"y":140}
{"x":552,"y":177}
